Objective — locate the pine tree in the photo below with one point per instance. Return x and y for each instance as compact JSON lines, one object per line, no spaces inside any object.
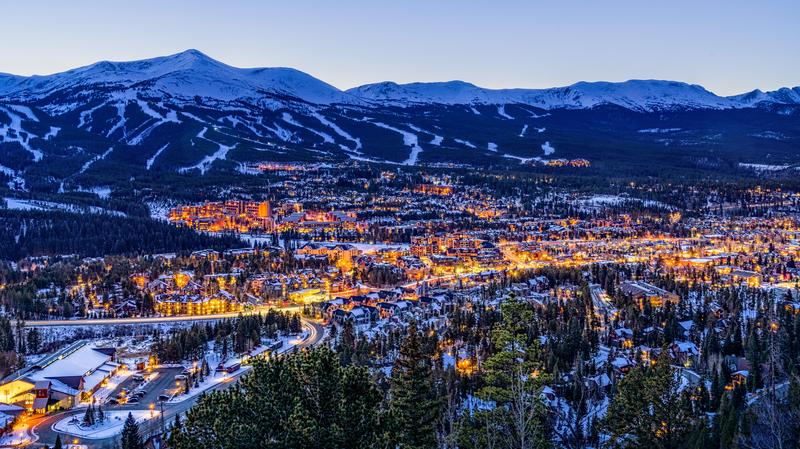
{"x":413,"y":403}
{"x":100,"y":415}
{"x":58,"y":444}
{"x":302,"y":400}
{"x":649,"y":410}
{"x":88,"y":417}
{"x":130,"y":435}
{"x":34,"y":340}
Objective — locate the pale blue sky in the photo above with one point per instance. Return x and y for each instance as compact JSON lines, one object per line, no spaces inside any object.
{"x":729,"y":46}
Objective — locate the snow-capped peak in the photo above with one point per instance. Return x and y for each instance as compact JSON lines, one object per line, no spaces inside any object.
{"x":187,"y":74}
{"x":191,"y":74}
{"x":640,"y":95}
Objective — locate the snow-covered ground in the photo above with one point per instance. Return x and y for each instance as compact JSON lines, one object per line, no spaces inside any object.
{"x":15,"y":437}
{"x":658,"y":130}
{"x":213,"y":379}
{"x":17,"y":181}
{"x":205,"y":164}
{"x":409,"y":139}
{"x":20,"y":204}
{"x":286,"y":117}
{"x":91,"y":161}
{"x":548,"y":149}
{"x":156,"y":155}
{"x":339,"y":131}
{"x":217,"y":378}
{"x":102,"y":192}
{"x":522,"y":159}
{"x":110,"y":427}
{"x":13,"y":132}
{"x":764,"y":167}
{"x":466,"y":143}
{"x":437,"y":140}
{"x":603,"y":201}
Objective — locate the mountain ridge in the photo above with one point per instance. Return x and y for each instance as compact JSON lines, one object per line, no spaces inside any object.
{"x":182,"y":73}
{"x":189,"y":115}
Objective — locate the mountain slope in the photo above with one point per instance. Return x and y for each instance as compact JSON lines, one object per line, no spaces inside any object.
{"x":636,"y":95}
{"x":189,"y":115}
{"x":187,"y":74}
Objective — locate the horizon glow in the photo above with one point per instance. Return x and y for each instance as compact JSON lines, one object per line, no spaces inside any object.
{"x":729,"y":47}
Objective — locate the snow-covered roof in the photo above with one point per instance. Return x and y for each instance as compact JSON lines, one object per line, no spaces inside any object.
{"x":101,"y":373}
{"x":78,"y":363}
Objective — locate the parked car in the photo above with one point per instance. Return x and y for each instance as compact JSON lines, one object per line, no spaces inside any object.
{"x":163,"y":397}
{"x":112,"y":401}
{"x":133,"y":400}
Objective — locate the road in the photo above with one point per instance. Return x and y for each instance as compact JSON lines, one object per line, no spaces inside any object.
{"x":164,"y":381}
{"x":150,"y":320}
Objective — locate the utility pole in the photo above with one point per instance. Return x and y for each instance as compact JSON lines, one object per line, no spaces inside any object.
{"x":163,"y":423}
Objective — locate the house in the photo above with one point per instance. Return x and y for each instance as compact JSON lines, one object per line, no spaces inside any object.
{"x":389,"y":309}
{"x":362,"y":315}
{"x":621,"y":365}
{"x":642,"y":291}
{"x":60,"y":380}
{"x":739,"y":378}
{"x":684,"y":352}
{"x":334,"y":252}
{"x":751,"y":278}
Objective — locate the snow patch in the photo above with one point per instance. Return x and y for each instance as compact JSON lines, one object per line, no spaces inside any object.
{"x":91,"y":161}
{"x":110,"y":427}
{"x":658,"y":130}
{"x":409,"y":139}
{"x":501,"y":111}
{"x":286,"y":117}
{"x":13,"y":132}
{"x":338,"y":130}
{"x":437,"y":140}
{"x":52,"y":133}
{"x":466,"y":143}
{"x":158,"y":153}
{"x":205,"y":164}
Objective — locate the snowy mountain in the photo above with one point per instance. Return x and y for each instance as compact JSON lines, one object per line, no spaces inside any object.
{"x":636,"y":95}
{"x":188,"y":114}
{"x":184,"y":75}
{"x":190,"y":74}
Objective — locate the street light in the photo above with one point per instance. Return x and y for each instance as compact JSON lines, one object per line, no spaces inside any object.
{"x":152,"y":407}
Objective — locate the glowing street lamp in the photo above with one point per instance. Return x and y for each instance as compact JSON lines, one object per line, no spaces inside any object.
{"x":152,"y":408}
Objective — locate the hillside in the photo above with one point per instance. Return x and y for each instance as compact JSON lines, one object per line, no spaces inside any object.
{"x":187,"y":114}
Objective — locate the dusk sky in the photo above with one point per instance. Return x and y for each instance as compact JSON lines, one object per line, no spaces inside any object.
{"x":727,"y":46}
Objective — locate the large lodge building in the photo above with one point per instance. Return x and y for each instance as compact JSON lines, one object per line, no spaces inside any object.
{"x":241,"y":216}
{"x":60,"y":380}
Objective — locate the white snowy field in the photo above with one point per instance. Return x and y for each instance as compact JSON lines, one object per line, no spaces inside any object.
{"x":111,"y":426}
{"x":23,"y":204}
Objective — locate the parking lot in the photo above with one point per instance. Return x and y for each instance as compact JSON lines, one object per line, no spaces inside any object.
{"x":162,"y":383}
